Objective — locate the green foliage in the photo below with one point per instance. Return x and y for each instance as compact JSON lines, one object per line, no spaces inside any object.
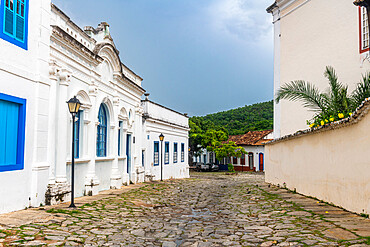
{"x":329,"y":106}
{"x":239,"y":121}
{"x":212,"y":138}
{"x":230,"y":168}
{"x":227,"y":149}
{"x":212,"y":131}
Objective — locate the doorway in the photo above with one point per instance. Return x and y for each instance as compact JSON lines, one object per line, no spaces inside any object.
{"x":251,"y":161}
{"x":128,"y":154}
{"x":261,"y":167}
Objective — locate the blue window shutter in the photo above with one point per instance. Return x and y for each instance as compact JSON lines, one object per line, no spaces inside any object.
{"x":101,"y":142}
{"x":2,"y":132}
{"x":9,"y":21}
{"x":12,"y":134}
{"x":19,"y":34}
{"x":9,"y":132}
{"x":77,"y":135}
{"x":20,"y":20}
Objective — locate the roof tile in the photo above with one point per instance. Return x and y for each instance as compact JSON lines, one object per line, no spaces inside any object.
{"x":251,"y":138}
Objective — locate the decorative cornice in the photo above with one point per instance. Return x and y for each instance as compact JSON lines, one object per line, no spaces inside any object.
{"x":147,"y":100}
{"x":60,"y":33}
{"x":148,"y":117}
{"x":54,"y":7}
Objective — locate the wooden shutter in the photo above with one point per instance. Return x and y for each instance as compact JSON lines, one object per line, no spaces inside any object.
{"x":9,"y":118}
{"x":9,"y":21}
{"x":19,"y":28}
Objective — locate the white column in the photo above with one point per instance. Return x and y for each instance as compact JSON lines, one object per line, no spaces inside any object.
{"x":91,"y":180}
{"x":63,"y":119}
{"x":277,"y":107}
{"x":125,"y":175}
{"x":116,"y":178}
{"x":139,"y":170}
{"x":54,"y":74}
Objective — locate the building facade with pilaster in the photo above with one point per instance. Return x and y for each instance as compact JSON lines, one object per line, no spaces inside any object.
{"x":46,"y":61}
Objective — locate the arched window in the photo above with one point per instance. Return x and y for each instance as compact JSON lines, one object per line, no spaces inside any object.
{"x":101,"y":142}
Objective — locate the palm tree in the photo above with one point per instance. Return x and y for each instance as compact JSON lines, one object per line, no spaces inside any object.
{"x":326,"y":104}
{"x":362,"y":91}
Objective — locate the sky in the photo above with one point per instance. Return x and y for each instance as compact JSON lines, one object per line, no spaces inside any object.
{"x":195,"y":56}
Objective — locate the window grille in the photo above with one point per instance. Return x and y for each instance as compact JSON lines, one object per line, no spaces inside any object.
{"x":175,"y":153}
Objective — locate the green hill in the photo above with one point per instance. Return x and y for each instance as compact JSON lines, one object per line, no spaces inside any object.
{"x":241,"y":120}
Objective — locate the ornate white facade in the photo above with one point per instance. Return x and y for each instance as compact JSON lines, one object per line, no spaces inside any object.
{"x":63,"y":61}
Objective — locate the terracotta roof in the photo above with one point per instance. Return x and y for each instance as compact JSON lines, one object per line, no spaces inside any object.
{"x":357,"y":115}
{"x":253,"y":138}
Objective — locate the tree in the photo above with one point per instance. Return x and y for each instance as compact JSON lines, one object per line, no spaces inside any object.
{"x":330,"y":106}
{"x":195,"y":138}
{"x":212,"y":138}
{"x":229,"y":149}
{"x":240,"y":120}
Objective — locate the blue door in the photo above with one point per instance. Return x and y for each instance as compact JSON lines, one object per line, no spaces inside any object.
{"x":128,"y":154}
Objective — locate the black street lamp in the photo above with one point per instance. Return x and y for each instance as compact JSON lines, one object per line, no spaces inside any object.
{"x":161,"y":138}
{"x":73,"y":106}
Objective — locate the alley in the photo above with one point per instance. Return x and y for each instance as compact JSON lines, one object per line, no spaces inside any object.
{"x":209,"y":209}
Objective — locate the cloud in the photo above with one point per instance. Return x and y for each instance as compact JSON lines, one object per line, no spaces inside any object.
{"x":246,"y":20}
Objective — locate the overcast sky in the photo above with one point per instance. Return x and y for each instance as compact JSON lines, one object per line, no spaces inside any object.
{"x":195,"y":56}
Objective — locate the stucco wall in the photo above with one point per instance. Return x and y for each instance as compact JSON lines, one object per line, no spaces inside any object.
{"x":174,"y":126}
{"x":307,"y":39}
{"x":333,"y":166}
{"x":24,"y":74}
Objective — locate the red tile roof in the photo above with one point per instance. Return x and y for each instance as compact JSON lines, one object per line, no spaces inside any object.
{"x":254,"y":138}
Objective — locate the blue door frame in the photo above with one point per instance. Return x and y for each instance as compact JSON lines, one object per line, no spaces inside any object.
{"x":128,"y":154}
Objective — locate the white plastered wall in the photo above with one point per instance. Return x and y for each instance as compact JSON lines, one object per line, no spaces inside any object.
{"x":309,"y":36}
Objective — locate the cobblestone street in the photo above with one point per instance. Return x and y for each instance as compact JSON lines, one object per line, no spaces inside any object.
{"x":206,"y":210}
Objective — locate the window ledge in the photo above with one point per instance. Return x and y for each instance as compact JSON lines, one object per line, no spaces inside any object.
{"x":78,"y":161}
{"x":122,"y":157}
{"x":99,"y":159}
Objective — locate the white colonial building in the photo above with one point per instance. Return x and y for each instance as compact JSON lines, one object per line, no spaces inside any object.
{"x":329,"y":162}
{"x":46,"y":60}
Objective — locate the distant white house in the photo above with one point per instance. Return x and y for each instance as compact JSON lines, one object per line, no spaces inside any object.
{"x":253,"y":143}
{"x":46,"y":59}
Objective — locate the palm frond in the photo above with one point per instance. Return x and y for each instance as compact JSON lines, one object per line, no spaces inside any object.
{"x":362,"y":91}
{"x":339,"y":98}
{"x":306,"y":92}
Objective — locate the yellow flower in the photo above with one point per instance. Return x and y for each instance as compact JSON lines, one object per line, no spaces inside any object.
{"x":331,"y":119}
{"x":322,"y":122}
{"x":350,"y":114}
{"x":326,"y":120}
{"x":326,"y":212}
{"x":340,"y":115}
{"x":311,"y":125}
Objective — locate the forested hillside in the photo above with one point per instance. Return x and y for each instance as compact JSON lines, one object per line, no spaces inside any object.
{"x":241,"y":120}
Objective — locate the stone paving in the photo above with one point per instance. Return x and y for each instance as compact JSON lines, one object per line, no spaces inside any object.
{"x":206,"y":210}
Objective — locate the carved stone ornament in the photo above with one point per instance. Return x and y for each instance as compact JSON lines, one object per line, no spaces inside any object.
{"x":65,"y":76}
{"x":93,"y":89}
{"x":54,"y":70}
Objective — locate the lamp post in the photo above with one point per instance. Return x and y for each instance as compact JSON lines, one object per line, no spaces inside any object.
{"x":73,"y":106}
{"x":161,"y":138}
